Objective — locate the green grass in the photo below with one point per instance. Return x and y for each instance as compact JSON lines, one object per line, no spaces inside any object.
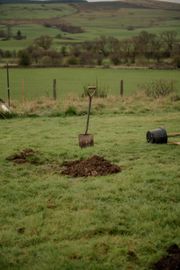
{"x":71,"y":81}
{"x":123,"y":221}
{"x":95,"y":20}
{"x":35,"y":11}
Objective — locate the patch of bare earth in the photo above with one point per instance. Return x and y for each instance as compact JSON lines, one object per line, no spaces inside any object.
{"x":171,"y":261}
{"x":27,"y":155}
{"x":92,"y":166}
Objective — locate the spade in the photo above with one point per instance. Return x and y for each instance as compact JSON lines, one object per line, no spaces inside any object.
{"x":86,"y":139}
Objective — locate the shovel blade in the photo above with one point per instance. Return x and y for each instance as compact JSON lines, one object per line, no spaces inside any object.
{"x":86,"y":140}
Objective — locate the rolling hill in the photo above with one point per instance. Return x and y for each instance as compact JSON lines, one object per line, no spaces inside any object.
{"x":120,"y":19}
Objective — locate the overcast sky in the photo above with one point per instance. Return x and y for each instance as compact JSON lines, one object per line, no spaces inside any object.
{"x":173,"y":1}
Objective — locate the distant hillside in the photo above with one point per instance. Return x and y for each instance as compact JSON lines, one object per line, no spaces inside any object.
{"x":152,"y":4}
{"x":172,"y":1}
{"x":157,"y":4}
{"x":140,"y":4}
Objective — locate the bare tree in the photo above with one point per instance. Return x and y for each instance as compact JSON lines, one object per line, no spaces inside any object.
{"x":169,"y":39}
{"x":44,"y":42}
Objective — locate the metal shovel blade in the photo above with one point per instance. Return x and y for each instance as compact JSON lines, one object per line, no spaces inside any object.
{"x":86,"y":140}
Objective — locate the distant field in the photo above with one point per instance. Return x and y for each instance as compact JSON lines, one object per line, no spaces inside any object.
{"x":31,"y":31}
{"x":110,"y":19}
{"x":34,"y":11}
{"x":71,"y":81}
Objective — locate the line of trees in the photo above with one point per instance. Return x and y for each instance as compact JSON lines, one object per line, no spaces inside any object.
{"x":145,"y":48}
{"x":149,"y":46}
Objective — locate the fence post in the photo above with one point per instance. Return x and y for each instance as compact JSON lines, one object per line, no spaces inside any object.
{"x":23,"y":97}
{"x":121,"y":88}
{"x":54,"y":90}
{"x":8,"y":88}
{"x":97,"y":85}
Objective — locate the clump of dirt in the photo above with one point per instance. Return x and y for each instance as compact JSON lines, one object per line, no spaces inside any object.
{"x":21,"y":230}
{"x":92,"y":166}
{"x":171,"y":261}
{"x":27,"y":155}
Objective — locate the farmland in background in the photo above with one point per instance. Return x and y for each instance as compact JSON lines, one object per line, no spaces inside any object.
{"x":95,"y":19}
{"x":38,"y":82}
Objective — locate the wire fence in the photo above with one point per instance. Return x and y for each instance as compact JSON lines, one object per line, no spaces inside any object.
{"x":31,"y":84}
{"x":34,"y":83}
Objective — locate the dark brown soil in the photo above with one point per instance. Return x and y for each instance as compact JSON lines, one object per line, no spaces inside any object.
{"x":171,"y":261}
{"x":26,"y":155}
{"x":92,"y":166}
{"x":21,"y":230}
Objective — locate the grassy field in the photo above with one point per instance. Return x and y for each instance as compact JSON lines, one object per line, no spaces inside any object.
{"x":123,"y":221}
{"x":110,"y":19}
{"x":71,"y":81}
{"x":34,"y":11}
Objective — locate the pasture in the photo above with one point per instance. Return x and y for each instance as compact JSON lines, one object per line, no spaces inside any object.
{"x":99,"y":19}
{"x":122,"y":221}
{"x":38,"y":82}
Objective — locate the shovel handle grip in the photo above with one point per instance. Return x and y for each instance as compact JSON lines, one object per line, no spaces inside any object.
{"x":91,"y":91}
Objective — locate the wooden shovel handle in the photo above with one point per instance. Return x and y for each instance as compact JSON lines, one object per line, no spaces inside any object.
{"x":175,"y":134}
{"x":174,"y":143}
{"x":88,"y":115}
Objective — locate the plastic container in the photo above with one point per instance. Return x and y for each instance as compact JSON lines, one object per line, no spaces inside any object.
{"x":158,"y":135}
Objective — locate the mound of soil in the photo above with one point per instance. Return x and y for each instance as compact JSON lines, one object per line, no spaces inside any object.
{"x":92,"y":166}
{"x":26,"y":155}
{"x":171,"y":261}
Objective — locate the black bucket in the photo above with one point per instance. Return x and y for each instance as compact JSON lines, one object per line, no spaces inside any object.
{"x":158,"y":135}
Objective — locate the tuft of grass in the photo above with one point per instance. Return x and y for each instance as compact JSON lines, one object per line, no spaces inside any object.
{"x":71,"y":111}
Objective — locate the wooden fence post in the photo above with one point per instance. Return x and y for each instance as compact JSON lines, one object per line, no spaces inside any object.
{"x":121,"y":88}
{"x":97,"y":85}
{"x":23,"y":97}
{"x":54,"y":89}
{"x":8,"y":87}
